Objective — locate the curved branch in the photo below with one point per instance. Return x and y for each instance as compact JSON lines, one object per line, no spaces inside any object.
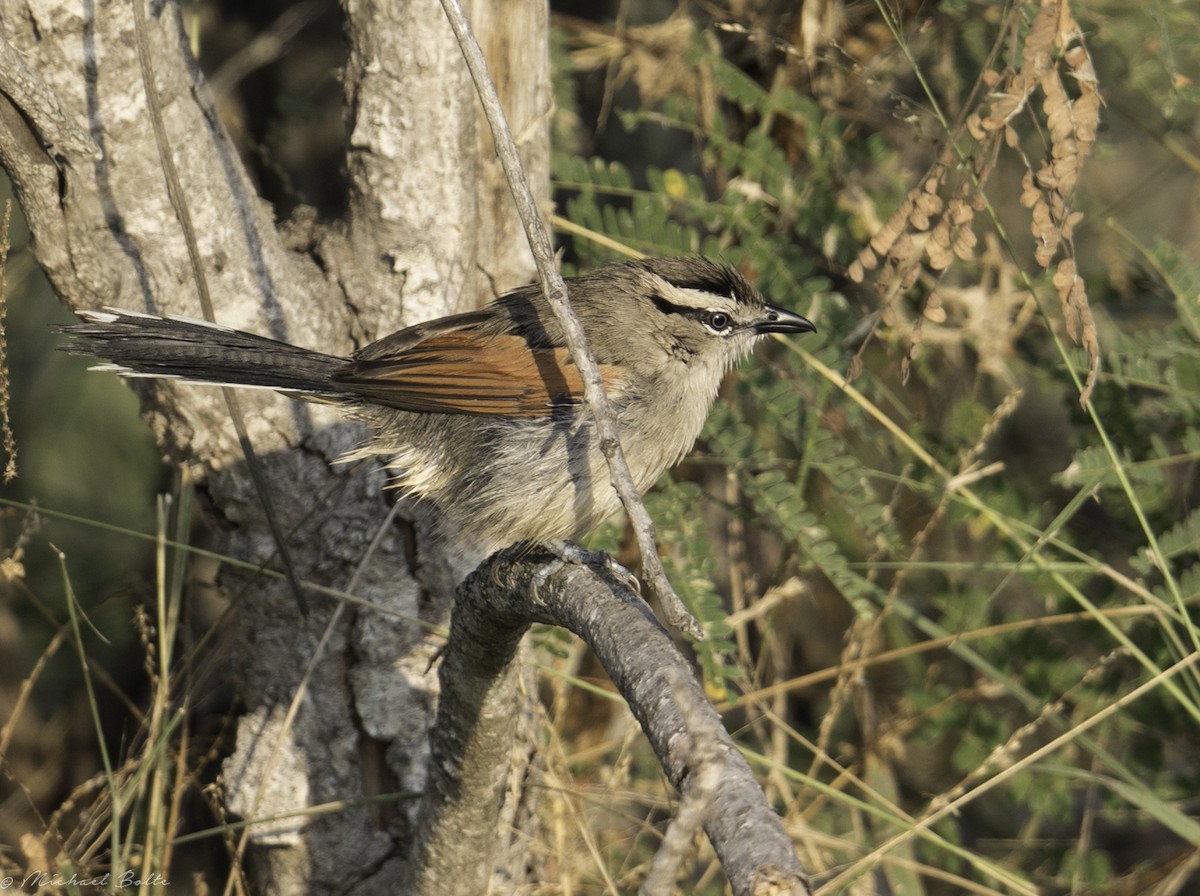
{"x":472,"y":735}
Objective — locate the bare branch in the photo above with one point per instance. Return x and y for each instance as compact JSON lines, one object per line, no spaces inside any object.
{"x":695,"y":805}
{"x":495,"y":606}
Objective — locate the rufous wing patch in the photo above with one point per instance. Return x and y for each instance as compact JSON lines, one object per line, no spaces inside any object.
{"x":462,"y":373}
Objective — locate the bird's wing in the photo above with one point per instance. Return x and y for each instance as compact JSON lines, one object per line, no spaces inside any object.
{"x":466,"y":371}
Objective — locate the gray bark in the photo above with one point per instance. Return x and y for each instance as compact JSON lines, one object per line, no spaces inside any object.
{"x":428,"y":232}
{"x":496,"y":604}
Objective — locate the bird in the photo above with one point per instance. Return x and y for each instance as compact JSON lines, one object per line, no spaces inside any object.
{"x":480,"y":414}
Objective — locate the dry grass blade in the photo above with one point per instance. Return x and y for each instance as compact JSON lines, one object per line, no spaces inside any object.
{"x":6,"y":433}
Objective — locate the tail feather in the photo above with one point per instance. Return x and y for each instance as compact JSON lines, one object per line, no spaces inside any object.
{"x":196,"y":350}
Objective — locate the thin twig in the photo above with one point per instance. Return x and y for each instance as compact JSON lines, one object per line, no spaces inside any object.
{"x":555,"y":291}
{"x":183,"y":212}
{"x":265,"y":48}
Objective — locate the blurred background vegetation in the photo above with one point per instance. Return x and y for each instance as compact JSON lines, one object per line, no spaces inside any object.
{"x":951,"y":593}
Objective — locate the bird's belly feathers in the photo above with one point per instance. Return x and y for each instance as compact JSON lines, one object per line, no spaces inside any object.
{"x":521,"y":479}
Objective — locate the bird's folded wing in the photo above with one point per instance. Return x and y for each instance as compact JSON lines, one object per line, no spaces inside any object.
{"x":463,"y":373}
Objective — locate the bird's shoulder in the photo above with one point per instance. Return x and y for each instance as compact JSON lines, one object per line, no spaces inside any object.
{"x":520,"y":313}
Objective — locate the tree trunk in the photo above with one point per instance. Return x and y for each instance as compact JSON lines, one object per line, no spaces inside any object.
{"x":429,"y":230}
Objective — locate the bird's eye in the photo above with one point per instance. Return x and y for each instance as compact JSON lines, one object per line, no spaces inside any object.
{"x":717,"y":321}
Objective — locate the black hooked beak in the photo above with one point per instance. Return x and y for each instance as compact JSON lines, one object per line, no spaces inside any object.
{"x":778,"y":320}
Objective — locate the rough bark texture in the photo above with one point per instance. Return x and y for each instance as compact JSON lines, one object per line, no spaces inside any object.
{"x":421,"y":239}
{"x":495,"y":606}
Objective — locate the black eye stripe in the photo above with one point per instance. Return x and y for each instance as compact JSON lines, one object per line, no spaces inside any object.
{"x":668,"y":307}
{"x":715,"y":320}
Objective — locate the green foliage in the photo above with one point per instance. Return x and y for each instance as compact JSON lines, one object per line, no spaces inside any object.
{"x":1032,"y":562}
{"x":690,"y":564}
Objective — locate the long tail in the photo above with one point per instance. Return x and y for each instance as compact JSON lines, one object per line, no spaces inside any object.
{"x":184,"y":348}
